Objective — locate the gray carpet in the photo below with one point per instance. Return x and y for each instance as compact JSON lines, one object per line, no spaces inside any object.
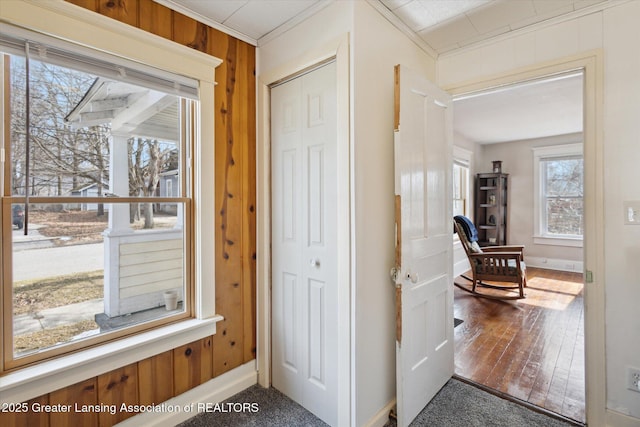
{"x":274,"y":409}
{"x":456,"y":405}
{"x":462,"y":405}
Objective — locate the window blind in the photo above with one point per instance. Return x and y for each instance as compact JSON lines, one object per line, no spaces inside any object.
{"x":18,"y":41}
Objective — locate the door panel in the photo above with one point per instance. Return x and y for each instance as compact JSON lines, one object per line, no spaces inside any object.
{"x":304,"y":302}
{"x":424,"y":346}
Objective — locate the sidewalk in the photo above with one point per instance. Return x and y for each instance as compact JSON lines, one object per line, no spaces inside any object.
{"x":58,"y":316}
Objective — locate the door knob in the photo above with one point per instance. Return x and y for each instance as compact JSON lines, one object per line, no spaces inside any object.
{"x":314,"y":262}
{"x":413,"y":277}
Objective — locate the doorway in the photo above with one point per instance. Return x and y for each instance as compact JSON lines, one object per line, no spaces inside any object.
{"x":514,"y":348}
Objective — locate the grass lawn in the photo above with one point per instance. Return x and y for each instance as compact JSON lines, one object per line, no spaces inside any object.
{"x":32,"y":296}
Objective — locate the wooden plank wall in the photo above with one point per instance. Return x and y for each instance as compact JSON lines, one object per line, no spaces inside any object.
{"x":98,"y":401}
{"x":146,"y":381}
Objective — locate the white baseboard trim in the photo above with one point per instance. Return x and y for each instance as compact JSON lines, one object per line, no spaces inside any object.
{"x":616,"y":419}
{"x":460,"y":267}
{"x":554,"y":264}
{"x":382,"y":417}
{"x":185,"y":405}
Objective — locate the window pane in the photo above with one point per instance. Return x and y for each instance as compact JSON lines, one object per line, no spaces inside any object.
{"x":87,"y":281}
{"x":565,"y":216}
{"x":79,"y":123}
{"x":460,"y":189}
{"x":564,"y":177}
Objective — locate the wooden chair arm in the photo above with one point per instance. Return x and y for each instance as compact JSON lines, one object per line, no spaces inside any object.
{"x":510,"y":248}
{"x":508,"y":255}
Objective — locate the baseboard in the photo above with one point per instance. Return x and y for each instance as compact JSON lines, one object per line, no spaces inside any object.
{"x":382,"y":417}
{"x":460,"y":267}
{"x":554,"y":264}
{"x":186,"y":405}
{"x":616,"y":419}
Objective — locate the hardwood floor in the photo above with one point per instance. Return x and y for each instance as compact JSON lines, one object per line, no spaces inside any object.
{"x":531,"y":349}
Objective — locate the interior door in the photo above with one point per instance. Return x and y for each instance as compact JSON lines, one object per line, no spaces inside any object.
{"x":304,"y":241}
{"x":423,"y":272}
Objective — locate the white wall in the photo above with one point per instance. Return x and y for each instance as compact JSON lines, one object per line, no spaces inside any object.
{"x":517,"y":161}
{"x":323,"y":27}
{"x":622,"y":242}
{"x":375,"y":47}
{"x":615,"y":30}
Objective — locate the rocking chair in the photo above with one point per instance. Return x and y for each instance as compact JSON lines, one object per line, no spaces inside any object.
{"x":501,"y":264}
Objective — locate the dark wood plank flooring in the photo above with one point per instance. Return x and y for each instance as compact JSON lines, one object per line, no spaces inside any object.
{"x":531,"y":349}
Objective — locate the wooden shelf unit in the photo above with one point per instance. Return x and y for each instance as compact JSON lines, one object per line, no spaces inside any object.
{"x":491,"y":208}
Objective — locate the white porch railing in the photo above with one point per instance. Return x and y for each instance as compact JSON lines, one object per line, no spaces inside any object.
{"x":139,"y":267}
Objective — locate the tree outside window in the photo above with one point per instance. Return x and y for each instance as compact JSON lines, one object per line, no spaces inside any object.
{"x":86,"y":155}
{"x":563,"y":205}
{"x":558,"y":184}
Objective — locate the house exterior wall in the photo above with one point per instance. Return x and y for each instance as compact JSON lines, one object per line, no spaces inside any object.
{"x":615,"y":31}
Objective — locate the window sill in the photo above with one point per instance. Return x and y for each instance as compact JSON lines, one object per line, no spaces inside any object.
{"x":45,"y":377}
{"x":574,"y":242}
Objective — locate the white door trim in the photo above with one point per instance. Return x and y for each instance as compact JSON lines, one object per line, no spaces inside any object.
{"x":338,"y":49}
{"x":594,"y":294}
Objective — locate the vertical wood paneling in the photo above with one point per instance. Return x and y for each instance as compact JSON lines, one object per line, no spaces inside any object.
{"x":189,"y":32}
{"x":192,"y":365}
{"x":115,"y":388}
{"x":122,"y":10}
{"x":155,"y":18}
{"x":228,"y":347}
{"x":246,"y":73}
{"x":80,"y":394}
{"x":155,"y":378}
{"x":27,"y":419}
{"x":87,"y":4}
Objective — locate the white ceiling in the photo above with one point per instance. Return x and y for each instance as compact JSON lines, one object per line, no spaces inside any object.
{"x":438,"y":26}
{"x":535,"y":109}
{"x":442,"y":25}
{"x":446,"y":25}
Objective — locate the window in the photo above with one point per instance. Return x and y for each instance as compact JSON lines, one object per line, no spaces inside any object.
{"x":89,"y":142}
{"x":461,"y":184}
{"x":559,"y":203}
{"x":460,"y":189}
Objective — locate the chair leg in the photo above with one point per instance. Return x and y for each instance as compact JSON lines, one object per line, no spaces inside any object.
{"x":522,"y":284}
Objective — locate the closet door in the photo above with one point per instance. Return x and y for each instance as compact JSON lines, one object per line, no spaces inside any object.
{"x":304,"y":244}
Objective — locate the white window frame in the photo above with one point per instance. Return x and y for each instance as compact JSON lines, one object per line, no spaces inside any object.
{"x":66,"y":21}
{"x":464,"y":157}
{"x":541,"y":154}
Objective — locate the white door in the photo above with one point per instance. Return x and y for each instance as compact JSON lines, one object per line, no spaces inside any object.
{"x":424,"y":287}
{"x":304,"y":241}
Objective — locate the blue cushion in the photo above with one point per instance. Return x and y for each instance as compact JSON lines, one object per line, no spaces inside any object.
{"x":468,"y":227}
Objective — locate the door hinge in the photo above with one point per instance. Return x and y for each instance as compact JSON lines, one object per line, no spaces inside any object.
{"x":588,"y":276}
